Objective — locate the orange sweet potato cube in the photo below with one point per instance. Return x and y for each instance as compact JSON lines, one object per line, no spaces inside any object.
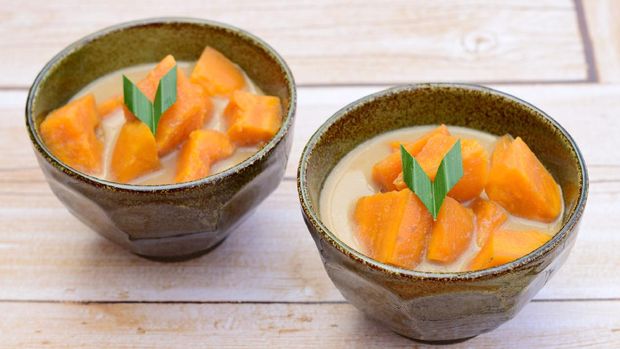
{"x":475,"y":171}
{"x":69,"y":134}
{"x":202,"y":149}
{"x":489,"y":217}
{"x":135,"y":152}
{"x":385,"y":172}
{"x":520,"y":182}
{"x":452,"y":232}
{"x":252,"y":119}
{"x":416,"y":146}
{"x":429,"y":157}
{"x":217,"y":74}
{"x":433,"y":152}
{"x":505,"y":246}
{"x":475,"y":166}
{"x":190,"y":111}
{"x":393,"y":227}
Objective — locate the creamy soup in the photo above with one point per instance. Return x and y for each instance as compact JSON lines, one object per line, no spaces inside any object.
{"x":181,"y":122}
{"x":351,"y":179}
{"x":111,"y":85}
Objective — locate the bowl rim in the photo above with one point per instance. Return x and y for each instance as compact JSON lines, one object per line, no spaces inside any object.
{"x":39,"y":145}
{"x":358,"y":257}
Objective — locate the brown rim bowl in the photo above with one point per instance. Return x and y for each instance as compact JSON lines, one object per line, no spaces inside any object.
{"x":441,"y":306}
{"x":175,"y":221}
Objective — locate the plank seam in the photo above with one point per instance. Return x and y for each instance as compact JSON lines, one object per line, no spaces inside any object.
{"x":87,"y":302}
{"x":476,"y":82}
{"x":387,"y":84}
{"x":167,"y":302}
{"x":586,"y":41}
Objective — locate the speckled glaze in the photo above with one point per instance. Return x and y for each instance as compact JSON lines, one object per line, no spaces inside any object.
{"x":441,"y":306}
{"x":174,"y":221}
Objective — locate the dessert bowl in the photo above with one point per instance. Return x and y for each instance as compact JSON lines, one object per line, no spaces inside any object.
{"x":440,"y":306}
{"x":170,"y":221}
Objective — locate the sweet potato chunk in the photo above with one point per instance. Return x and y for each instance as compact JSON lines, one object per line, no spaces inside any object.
{"x":475,"y":171}
{"x":135,"y":152}
{"x":106,"y":108}
{"x":190,"y":111}
{"x":386,"y":171}
{"x":393,"y":227}
{"x":520,"y":183}
{"x":475,"y":168}
{"x":452,"y":232}
{"x":202,"y":149}
{"x":69,"y":133}
{"x":414,"y":147}
{"x":252,"y":119}
{"x":433,"y":152}
{"x":489,"y":217}
{"x":430,"y":157}
{"x":504,"y":246}
{"x":217,"y":74}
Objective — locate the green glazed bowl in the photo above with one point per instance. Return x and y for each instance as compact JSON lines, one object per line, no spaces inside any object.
{"x":173,"y":221}
{"x":441,"y":306}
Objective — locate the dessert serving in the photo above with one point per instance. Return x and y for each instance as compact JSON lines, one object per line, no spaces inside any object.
{"x":440,"y":210}
{"x":503,"y":205}
{"x":163,"y":135}
{"x":215,"y":118}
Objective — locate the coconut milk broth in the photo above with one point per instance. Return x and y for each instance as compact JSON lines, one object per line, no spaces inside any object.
{"x":351,"y":179}
{"x":111,"y":85}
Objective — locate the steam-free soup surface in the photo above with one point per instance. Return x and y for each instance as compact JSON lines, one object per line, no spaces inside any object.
{"x":351,"y":179}
{"x":211,"y":119}
{"x":111,"y":85}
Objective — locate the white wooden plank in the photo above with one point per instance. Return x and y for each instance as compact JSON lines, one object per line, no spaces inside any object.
{"x":48,"y":255}
{"x":340,"y":42}
{"x":29,"y":325}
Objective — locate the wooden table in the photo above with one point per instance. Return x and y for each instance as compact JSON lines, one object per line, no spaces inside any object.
{"x":61,"y":285}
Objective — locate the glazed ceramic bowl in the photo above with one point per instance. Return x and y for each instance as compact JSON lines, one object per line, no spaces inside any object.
{"x":165,"y":221}
{"x":441,"y":306}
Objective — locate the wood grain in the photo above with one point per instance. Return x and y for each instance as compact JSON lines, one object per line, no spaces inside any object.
{"x":554,"y":325}
{"x":341,"y":42}
{"x":604,"y":31}
{"x":265,"y":286}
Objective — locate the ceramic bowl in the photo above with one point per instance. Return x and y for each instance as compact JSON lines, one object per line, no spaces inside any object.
{"x":166,"y":221}
{"x":441,"y":306}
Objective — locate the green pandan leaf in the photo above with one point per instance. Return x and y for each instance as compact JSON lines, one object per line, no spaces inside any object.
{"x":432,"y":194}
{"x":145,"y":110}
{"x":137,"y":103}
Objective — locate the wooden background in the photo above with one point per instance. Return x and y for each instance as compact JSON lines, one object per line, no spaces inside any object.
{"x":61,"y":285}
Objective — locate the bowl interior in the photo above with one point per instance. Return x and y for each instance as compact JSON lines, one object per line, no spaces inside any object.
{"x":148,"y":41}
{"x":452,"y":104}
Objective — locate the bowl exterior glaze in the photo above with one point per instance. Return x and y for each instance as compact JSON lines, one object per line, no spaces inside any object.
{"x":441,"y":306}
{"x":174,"y":221}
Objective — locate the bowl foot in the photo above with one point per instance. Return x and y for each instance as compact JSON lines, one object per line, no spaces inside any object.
{"x":181,"y":258}
{"x":438,"y":342}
